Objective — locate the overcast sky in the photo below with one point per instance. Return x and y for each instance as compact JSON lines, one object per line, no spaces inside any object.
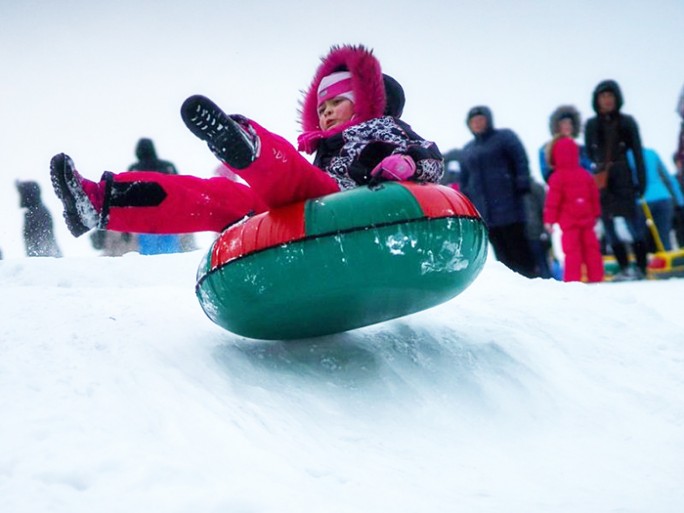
{"x":89,"y":77}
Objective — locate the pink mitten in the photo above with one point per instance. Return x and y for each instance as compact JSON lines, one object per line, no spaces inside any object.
{"x":395,"y":167}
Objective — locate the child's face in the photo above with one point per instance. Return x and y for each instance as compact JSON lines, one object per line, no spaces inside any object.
{"x":565,"y":127}
{"x":334,"y":112}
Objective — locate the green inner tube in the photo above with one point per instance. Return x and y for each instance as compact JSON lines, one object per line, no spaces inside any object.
{"x":329,"y":283}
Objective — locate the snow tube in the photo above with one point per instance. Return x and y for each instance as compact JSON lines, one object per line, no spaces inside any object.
{"x":342,"y":261}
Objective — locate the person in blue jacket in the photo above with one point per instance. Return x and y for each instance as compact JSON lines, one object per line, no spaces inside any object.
{"x":565,"y":121}
{"x":495,"y":175}
{"x":662,"y":195}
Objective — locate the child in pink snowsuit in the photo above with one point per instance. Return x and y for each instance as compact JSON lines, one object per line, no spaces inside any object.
{"x":573,"y":202}
{"x":345,"y":121}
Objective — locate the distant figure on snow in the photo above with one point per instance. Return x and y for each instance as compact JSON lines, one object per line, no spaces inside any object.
{"x":663,"y":195}
{"x":39,"y":236}
{"x":609,"y":136}
{"x":495,"y":175}
{"x":573,"y":203}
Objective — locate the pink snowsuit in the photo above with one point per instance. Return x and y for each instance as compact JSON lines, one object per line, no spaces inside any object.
{"x":573,"y":202}
{"x":280,"y":175}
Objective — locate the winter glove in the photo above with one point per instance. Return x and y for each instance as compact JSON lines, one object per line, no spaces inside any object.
{"x":394,"y":167}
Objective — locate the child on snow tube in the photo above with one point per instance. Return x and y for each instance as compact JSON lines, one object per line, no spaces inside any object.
{"x":346,"y":119}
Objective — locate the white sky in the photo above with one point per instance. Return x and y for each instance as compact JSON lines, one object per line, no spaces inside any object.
{"x":90,"y":78}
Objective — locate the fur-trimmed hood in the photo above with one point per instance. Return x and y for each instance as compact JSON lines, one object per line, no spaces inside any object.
{"x":367,"y":84}
{"x":563,"y":112}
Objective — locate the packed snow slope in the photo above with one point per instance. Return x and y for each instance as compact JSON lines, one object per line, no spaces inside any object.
{"x":117,"y":394}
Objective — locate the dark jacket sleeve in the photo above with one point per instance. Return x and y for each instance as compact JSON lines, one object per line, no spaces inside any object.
{"x":633,"y":142}
{"x":518,"y":160}
{"x":590,"y":140}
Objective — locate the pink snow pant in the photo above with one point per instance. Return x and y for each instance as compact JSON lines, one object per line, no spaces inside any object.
{"x":280,"y":175}
{"x":581,"y":246}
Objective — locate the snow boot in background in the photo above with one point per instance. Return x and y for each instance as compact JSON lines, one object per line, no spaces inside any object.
{"x":230,"y":138}
{"x":629,"y":274}
{"x":80,"y":197}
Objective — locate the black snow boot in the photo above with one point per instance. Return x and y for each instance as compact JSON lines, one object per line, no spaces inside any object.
{"x":230,"y":138}
{"x":79,"y":212}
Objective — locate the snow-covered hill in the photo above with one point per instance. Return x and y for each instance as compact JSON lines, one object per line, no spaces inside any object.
{"x":117,"y":394}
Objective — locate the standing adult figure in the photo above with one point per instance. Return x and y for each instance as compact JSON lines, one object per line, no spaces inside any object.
{"x":495,"y":175}
{"x":679,"y":163}
{"x":608,"y":137}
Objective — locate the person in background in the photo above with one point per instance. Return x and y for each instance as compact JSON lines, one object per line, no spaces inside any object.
{"x":663,"y":195}
{"x":39,"y":235}
{"x":608,"y":137}
{"x":452,"y":169}
{"x":537,"y":236}
{"x":679,"y":164}
{"x":565,"y":121}
{"x":679,"y":153}
{"x":114,"y":244}
{"x":573,"y":203}
{"x":148,"y":243}
{"x":495,"y":176}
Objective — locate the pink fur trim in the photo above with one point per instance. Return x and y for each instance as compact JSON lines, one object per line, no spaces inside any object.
{"x":367,"y":85}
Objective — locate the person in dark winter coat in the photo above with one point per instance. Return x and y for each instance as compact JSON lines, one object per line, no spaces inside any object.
{"x":495,"y":176}
{"x":565,"y":121}
{"x":679,"y":153}
{"x":39,"y":236}
{"x":608,"y":137}
{"x":573,"y":203}
{"x":678,"y":159}
{"x":344,"y":121}
{"x":537,"y":236}
{"x":148,"y":160}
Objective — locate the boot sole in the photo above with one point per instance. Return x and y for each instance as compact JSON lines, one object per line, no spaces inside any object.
{"x":60,"y":183}
{"x":224,"y":136}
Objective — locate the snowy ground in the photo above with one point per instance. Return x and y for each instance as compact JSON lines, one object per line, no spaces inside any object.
{"x":117,"y":394}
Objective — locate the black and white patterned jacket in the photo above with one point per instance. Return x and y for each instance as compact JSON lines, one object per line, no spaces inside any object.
{"x":351,"y":155}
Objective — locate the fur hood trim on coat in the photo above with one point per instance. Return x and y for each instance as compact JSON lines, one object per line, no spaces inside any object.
{"x":367,"y":84}
{"x":563,"y":112}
